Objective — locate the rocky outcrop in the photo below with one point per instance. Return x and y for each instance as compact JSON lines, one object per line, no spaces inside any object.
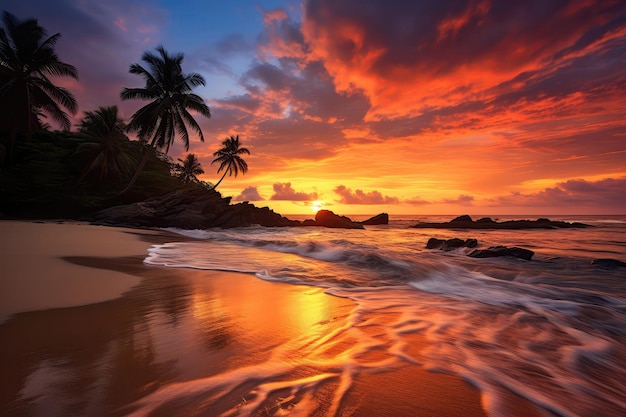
{"x":466,"y":222}
{"x":203,"y":209}
{"x":382,"y":218}
{"x":190,"y":209}
{"x":608,"y":263}
{"x":497,"y":251}
{"x":327,"y":218}
{"x":449,"y":244}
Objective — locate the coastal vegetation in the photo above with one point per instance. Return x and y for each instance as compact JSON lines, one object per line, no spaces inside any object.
{"x":189,"y":168}
{"x":48,"y":173}
{"x":27,"y":95}
{"x":170,"y":93}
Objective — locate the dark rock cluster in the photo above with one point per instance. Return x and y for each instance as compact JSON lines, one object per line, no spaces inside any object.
{"x":190,"y":209}
{"x":466,"y":222}
{"x":491,"y":252}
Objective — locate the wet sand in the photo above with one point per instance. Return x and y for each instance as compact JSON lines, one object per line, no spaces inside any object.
{"x":90,"y":330}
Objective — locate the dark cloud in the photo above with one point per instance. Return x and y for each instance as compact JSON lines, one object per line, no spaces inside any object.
{"x":574,"y":195}
{"x":362,"y":197}
{"x":234,"y":44}
{"x":439,"y":37}
{"x":98,"y":42}
{"x":269,"y":75}
{"x":249,"y":194}
{"x":284,"y":191}
{"x":213,"y":65}
{"x":243,"y":102}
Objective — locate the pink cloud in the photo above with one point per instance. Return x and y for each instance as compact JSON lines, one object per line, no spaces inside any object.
{"x":284,"y":191}
{"x":249,"y":194}
{"x":362,"y":197}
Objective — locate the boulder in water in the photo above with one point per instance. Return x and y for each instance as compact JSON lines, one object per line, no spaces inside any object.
{"x":497,"y":251}
{"x":608,"y":263}
{"x":327,"y":218}
{"x":454,"y":243}
{"x":382,"y":218}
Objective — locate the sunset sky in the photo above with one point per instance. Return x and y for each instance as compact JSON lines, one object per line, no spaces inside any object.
{"x":422,"y":107}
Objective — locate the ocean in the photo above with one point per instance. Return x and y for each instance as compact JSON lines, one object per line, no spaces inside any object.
{"x":551,"y":330}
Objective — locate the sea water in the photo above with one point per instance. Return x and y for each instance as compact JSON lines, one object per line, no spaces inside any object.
{"x":551,"y":330}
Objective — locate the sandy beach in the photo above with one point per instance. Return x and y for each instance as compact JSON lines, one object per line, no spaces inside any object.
{"x":88,"y":329}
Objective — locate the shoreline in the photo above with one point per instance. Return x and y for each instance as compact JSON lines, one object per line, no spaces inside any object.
{"x":32,"y":247}
{"x":155,"y":328}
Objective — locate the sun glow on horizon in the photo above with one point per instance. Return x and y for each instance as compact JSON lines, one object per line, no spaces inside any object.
{"x":316,"y":206}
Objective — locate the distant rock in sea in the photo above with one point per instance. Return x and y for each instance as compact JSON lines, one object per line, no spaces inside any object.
{"x":466,"y":222}
{"x":497,"y":251}
{"x":326,"y":218}
{"x":382,"y":218}
{"x":449,"y":244}
{"x":608,"y":263}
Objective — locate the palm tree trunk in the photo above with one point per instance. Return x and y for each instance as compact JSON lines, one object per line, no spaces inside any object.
{"x":218,"y":183}
{"x":140,"y":167}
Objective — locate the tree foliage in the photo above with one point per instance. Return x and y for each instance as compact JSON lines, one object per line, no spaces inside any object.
{"x":229,"y":158}
{"x":104,"y":148}
{"x":27,"y":63}
{"x":169,"y":91}
{"x":188,"y":169}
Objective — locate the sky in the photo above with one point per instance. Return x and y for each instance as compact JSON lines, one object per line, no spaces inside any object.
{"x":360,"y":107}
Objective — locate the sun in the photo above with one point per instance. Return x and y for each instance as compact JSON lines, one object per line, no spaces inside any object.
{"x":317,"y":205}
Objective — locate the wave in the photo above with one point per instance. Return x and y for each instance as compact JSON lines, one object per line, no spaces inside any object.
{"x":519,"y":336}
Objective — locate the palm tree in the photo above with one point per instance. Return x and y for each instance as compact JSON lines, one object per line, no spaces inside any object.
{"x":229,"y":159}
{"x":170,"y":92}
{"x":189,"y":168}
{"x":27,"y":60}
{"x":103,"y":132}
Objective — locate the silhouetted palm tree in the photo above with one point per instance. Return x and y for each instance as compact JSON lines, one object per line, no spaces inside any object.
{"x":189,"y":168}
{"x":103,"y":132}
{"x":27,"y":60}
{"x":229,"y":159}
{"x":170,"y":92}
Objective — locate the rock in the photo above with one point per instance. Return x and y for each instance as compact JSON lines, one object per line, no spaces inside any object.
{"x":462,"y":219}
{"x":327,"y":218}
{"x":466,"y":222}
{"x":470,"y":243}
{"x":190,"y":209}
{"x":382,"y":218}
{"x":454,"y":243}
{"x":497,"y":251}
{"x":434,"y":243}
{"x":608,"y":263}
